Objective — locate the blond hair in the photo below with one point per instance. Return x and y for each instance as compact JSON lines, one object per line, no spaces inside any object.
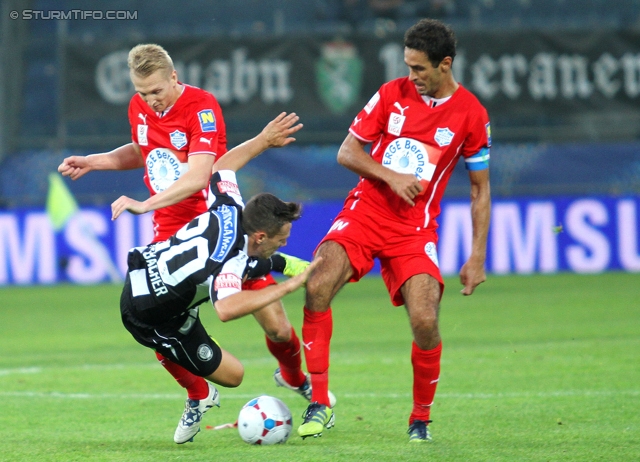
{"x":148,"y":58}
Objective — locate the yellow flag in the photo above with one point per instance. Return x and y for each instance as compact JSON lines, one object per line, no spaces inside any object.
{"x":61,"y":204}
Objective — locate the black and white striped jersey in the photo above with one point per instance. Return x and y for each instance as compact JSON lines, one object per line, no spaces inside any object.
{"x":205,"y":259}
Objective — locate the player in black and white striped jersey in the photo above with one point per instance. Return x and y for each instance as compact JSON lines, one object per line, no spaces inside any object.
{"x":208,"y":259}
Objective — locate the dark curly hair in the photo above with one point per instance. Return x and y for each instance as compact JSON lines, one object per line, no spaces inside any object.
{"x":434,"y":38}
{"x":265,"y":212}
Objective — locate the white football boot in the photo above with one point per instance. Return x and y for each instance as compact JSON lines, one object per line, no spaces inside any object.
{"x":189,"y":424}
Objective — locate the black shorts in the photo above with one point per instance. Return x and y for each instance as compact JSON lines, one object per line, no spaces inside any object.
{"x":183,"y":341}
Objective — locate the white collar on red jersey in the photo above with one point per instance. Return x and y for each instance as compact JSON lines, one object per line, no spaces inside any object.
{"x":433,"y":102}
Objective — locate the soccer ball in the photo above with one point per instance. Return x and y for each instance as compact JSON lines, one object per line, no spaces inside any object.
{"x":265,"y":420}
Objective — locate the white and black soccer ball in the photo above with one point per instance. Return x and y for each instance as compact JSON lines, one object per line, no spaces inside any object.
{"x":265,"y":420}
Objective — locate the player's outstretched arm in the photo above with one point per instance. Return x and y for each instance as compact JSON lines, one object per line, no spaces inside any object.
{"x":276,"y":134}
{"x":125,"y":157}
{"x":249,"y":301}
{"x":472,"y":272}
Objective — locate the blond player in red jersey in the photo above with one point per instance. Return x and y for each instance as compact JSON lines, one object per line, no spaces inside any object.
{"x":418,"y":128}
{"x":177,"y":133}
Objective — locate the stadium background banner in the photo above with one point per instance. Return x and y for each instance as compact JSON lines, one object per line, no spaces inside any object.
{"x":518,"y":76}
{"x":583,"y":235}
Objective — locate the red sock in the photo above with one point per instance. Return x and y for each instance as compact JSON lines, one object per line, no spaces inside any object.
{"x":317,"y":329}
{"x":426,"y":372}
{"x":197,"y":387}
{"x":288,"y":356}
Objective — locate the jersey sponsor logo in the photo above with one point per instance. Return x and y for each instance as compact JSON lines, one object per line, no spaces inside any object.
{"x":163,"y":168}
{"x":227,"y":220}
{"x":443,"y":136}
{"x":432,"y":252}
{"x":228,"y":187}
{"x":142,"y":117}
{"x":227,"y":281}
{"x":406,"y":155}
{"x":396,"y":121}
{"x":339,"y":225}
{"x":372,"y":103}
{"x":207,"y":120}
{"x":178,"y":139}
{"x":142,"y":135}
{"x":205,"y":140}
{"x":205,"y":353}
{"x":488,"y":128}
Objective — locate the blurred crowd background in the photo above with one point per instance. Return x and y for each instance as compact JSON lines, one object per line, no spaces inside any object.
{"x":561,"y":80}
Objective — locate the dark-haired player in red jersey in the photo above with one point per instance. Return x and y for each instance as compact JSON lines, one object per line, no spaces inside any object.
{"x":177,"y":134}
{"x":418,"y":127}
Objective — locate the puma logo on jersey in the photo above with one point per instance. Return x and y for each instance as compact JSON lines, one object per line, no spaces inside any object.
{"x":205,"y":140}
{"x":356,"y":121}
{"x":307,"y":346}
{"x":339,"y":225}
{"x":400,"y":108}
{"x":143,"y":117}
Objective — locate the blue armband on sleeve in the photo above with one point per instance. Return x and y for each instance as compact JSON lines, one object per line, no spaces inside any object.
{"x":478,"y":161}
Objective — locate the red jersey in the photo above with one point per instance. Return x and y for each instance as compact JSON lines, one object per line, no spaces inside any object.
{"x":192,"y":126}
{"x":409,"y":136}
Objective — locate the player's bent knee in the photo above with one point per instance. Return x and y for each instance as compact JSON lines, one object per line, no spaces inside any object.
{"x":229,"y":373}
{"x":279,"y":335}
{"x":236,"y":379}
{"x":230,"y":376}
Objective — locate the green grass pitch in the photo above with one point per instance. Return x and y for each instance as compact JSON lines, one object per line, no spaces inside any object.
{"x":534,"y":368}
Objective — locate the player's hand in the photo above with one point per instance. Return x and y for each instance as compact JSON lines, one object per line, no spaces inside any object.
{"x":74,"y":167}
{"x":405,"y":185}
{"x":278,"y":132}
{"x":472,"y":274}
{"x":126,"y":203}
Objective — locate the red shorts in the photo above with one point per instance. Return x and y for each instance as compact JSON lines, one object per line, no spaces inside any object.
{"x":404,"y":250}
{"x":258,"y":283}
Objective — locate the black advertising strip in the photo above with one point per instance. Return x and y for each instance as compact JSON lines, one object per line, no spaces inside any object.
{"x":521,"y":77}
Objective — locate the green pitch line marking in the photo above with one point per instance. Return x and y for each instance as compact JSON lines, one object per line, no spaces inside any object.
{"x":21,"y":370}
